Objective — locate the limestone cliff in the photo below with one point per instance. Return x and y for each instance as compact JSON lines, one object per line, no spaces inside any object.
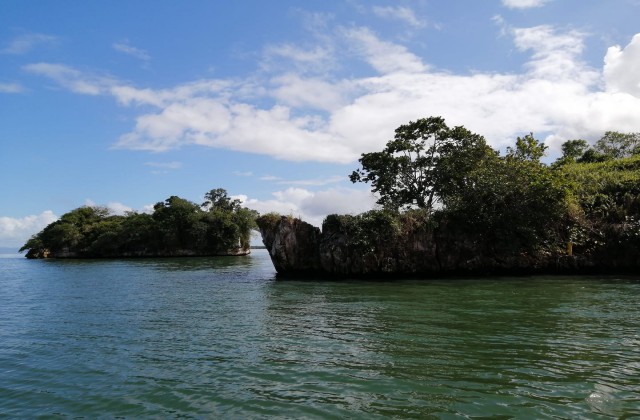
{"x":422,"y":250}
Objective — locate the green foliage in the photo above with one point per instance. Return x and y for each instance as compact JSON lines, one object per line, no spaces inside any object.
{"x":527,"y":148}
{"x":513,"y":204}
{"x":608,"y":198}
{"x":425,"y":160}
{"x":573,"y":149}
{"x":368,"y":231}
{"x":613,"y":145}
{"x":268,"y":221}
{"x":176,"y":226}
{"x":618,"y":145}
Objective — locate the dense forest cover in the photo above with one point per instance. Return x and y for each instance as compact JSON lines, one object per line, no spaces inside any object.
{"x":450,"y":203}
{"x":219,"y":226}
{"x":587,"y":201}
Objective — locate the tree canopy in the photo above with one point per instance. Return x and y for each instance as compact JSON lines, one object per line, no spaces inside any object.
{"x":423,"y":163}
{"x":176,"y":227}
{"x":515,"y":202}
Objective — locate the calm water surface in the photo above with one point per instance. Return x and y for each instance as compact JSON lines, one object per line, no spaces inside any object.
{"x":220,"y":337}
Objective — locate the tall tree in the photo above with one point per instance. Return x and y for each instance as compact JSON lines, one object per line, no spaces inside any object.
{"x":219,"y":199}
{"x":618,"y":145}
{"x":421,"y":164}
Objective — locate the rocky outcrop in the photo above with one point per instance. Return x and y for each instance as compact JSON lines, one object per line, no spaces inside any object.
{"x":292,"y":244}
{"x":300,"y":249}
{"x":65,"y":253}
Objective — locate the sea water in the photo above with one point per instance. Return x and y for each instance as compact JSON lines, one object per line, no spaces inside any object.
{"x":224,"y":338}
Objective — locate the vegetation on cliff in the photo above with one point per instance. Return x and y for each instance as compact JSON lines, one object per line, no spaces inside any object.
{"x":177,"y":226}
{"x":512,"y":203}
{"x":451,"y":203}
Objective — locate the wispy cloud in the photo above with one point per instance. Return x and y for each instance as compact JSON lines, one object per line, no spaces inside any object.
{"x":72,"y":79}
{"x":270,"y":178}
{"x":27,"y":42}
{"x":313,"y":182}
{"x":524,"y":4}
{"x":126,"y":48}
{"x":11,"y":88}
{"x":403,"y":14}
{"x":165,"y":165}
{"x":244,"y":174}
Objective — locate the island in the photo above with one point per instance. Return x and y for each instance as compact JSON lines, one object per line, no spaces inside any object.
{"x":449,"y":204}
{"x":176,"y":227}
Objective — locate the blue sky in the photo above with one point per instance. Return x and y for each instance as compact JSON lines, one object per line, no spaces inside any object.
{"x":124,"y":104}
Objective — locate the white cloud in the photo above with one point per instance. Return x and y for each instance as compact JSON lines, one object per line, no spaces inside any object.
{"x":27,"y":42}
{"x":297,"y":116}
{"x":554,"y":55}
{"x":11,"y":88}
{"x":114,"y":207}
{"x":313,"y":207}
{"x":385,"y":57}
{"x":296,"y":91}
{"x":118,"y":208}
{"x":404,"y":14}
{"x":524,"y":4}
{"x":14,"y":232}
{"x":126,"y":48}
{"x":622,"y":68}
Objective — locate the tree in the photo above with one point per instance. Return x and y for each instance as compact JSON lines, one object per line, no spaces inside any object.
{"x":573,"y":149}
{"x":618,"y":145}
{"x":425,"y":161}
{"x":527,"y":148}
{"x":218,"y":199}
{"x":174,"y":218}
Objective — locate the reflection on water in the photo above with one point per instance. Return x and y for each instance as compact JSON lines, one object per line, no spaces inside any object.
{"x":221,"y":337}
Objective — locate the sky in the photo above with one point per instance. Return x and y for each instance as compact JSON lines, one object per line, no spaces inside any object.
{"x":124,"y":104}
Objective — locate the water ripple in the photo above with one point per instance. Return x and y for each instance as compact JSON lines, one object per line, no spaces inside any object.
{"x":220,"y":338}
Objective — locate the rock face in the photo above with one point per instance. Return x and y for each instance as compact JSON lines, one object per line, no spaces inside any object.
{"x":302,"y":250}
{"x":292,"y":244}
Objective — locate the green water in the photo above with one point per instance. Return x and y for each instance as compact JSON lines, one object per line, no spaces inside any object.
{"x":221,"y":338}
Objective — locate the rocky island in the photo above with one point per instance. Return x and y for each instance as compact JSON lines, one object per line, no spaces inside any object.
{"x":177,"y":227}
{"x":451,"y":205}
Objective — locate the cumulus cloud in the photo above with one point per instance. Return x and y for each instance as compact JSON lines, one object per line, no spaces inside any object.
{"x":297,"y":115}
{"x":27,"y":42}
{"x":311,"y":206}
{"x":524,"y":4}
{"x":622,"y":68}
{"x":14,"y":232}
